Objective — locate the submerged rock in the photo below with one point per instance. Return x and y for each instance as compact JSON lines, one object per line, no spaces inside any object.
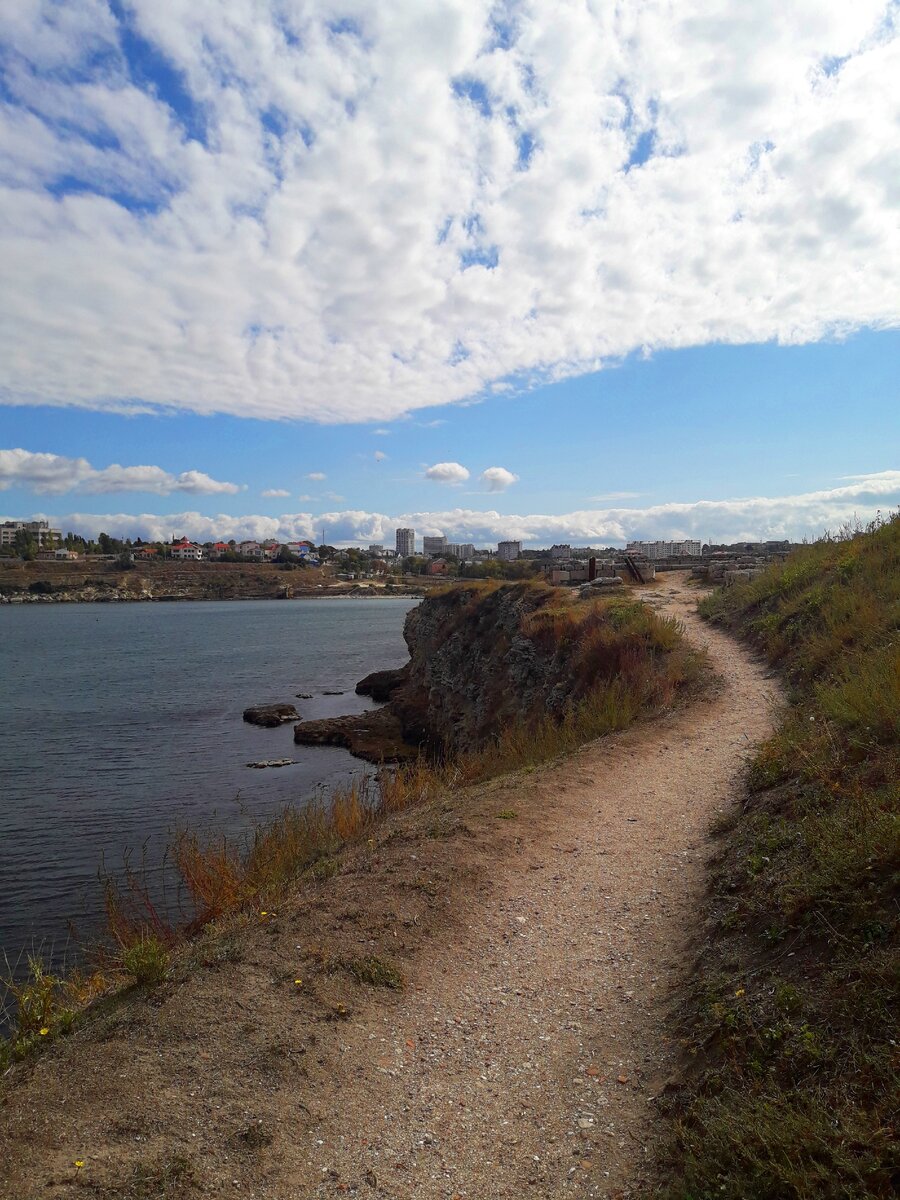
{"x":270,"y":715}
{"x":273,"y":762}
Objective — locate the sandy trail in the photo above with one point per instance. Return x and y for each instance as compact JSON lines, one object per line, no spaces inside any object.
{"x":542,"y":953}
{"x":524,"y":1061}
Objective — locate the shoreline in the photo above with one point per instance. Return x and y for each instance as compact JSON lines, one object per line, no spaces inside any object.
{"x":17,"y":601}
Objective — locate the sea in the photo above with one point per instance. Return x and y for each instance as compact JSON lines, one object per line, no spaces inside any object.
{"x":122,"y":723}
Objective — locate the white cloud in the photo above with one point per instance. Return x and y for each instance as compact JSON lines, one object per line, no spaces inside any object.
{"x":274,"y":493}
{"x":317,"y":476}
{"x":379,"y":456}
{"x":54,"y":474}
{"x":381,"y":432}
{"x":751,"y":518}
{"x":498,"y":479}
{"x":606,"y":496}
{"x":447,"y":472}
{"x":353,"y":222}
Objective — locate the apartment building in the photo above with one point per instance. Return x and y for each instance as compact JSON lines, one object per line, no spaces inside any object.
{"x":464,"y":551}
{"x":39,"y":530}
{"x":405,"y":542}
{"x":508,"y":551}
{"x":653,"y":550}
{"x":434,"y":547}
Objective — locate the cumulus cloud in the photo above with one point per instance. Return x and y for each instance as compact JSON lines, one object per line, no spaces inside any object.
{"x":447,"y":472}
{"x":498,"y":479}
{"x":317,"y":476}
{"x":276,"y":493}
{"x":54,"y":473}
{"x":379,"y":456}
{"x":746,"y":519}
{"x":350,"y":220}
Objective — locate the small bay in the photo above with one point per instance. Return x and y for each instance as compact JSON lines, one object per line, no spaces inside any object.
{"x":121,"y":723}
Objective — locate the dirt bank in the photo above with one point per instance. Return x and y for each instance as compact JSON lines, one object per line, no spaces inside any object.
{"x":541,"y":921}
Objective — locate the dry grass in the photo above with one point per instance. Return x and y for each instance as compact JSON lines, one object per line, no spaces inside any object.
{"x":794,"y":1019}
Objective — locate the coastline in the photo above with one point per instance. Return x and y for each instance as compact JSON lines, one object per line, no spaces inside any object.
{"x":407,"y":921}
{"x":105,"y":582}
{"x":330,"y":594}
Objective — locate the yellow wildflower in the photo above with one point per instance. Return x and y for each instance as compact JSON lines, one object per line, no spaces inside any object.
{"x":44,"y":1031}
{"x":739,"y":992}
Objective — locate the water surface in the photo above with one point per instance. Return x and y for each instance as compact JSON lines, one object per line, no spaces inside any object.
{"x":121,"y":722}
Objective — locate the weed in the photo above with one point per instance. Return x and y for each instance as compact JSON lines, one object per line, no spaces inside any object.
{"x":324,"y":868}
{"x":147,"y":961}
{"x":507,"y":814}
{"x":169,"y":1178}
{"x":377,"y":972}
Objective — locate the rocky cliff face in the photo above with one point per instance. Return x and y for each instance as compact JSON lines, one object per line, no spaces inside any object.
{"x":483,"y":658}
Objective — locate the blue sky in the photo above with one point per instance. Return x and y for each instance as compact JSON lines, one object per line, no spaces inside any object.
{"x":370,"y":244}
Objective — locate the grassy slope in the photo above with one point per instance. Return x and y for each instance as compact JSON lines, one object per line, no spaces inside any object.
{"x":793,"y":1014}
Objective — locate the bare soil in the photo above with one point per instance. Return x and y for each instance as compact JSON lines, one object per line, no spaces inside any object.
{"x":543,"y":922}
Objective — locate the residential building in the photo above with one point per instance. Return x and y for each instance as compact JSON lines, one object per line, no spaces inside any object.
{"x":217,"y":549}
{"x":39,"y":530}
{"x":464,"y":551}
{"x":438,"y":566}
{"x":186,"y":551}
{"x":561,"y":550}
{"x":376,"y":549}
{"x":405,"y":542}
{"x":508,"y":551}
{"x":434,"y":547}
{"x":145,"y":553}
{"x":654,"y":550}
{"x":251,"y":550}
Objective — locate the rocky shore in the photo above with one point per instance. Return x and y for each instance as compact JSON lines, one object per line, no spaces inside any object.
{"x":481,"y":659}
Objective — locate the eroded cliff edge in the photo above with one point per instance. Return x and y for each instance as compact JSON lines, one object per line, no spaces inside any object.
{"x":487,"y":657}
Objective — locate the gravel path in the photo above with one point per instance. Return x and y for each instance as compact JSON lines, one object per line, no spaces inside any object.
{"x":524,"y":1059}
{"x":542,"y":952}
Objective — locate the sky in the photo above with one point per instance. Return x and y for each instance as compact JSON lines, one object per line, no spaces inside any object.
{"x":558,"y":270}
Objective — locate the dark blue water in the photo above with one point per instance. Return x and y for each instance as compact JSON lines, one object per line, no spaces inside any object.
{"x":120,"y":723}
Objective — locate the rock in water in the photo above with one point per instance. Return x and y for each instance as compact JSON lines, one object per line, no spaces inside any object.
{"x":270,"y":715}
{"x":380,"y":684}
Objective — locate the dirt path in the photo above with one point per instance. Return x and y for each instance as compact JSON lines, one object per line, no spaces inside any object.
{"x":524,"y":1062}
{"x":541,"y":950}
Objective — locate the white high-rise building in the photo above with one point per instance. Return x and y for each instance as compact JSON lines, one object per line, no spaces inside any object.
{"x":406,"y":542}
{"x":509,"y":551}
{"x":434,"y":546}
{"x":464,"y":551}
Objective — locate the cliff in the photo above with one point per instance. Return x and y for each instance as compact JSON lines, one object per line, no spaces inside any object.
{"x":487,"y":658}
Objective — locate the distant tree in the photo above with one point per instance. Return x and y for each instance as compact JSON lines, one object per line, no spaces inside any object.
{"x":25,"y":545}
